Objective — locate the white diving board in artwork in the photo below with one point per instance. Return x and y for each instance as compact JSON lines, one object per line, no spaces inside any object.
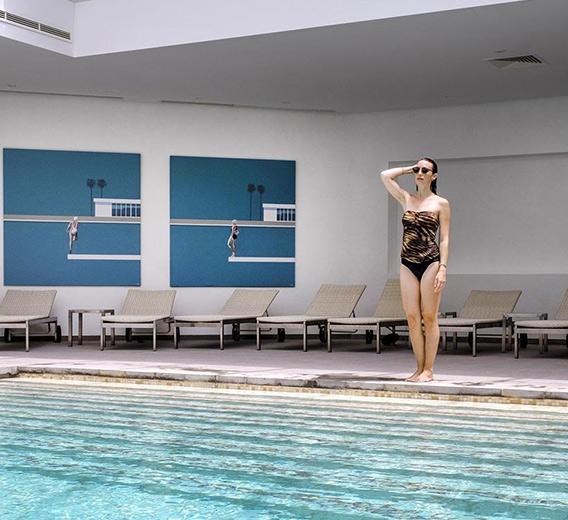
{"x":102,"y":257}
{"x":262,"y":259}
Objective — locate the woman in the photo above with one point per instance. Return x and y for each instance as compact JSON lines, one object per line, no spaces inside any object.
{"x":423,"y":263}
{"x":232,"y":242}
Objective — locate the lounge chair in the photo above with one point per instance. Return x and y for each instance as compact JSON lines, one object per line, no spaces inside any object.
{"x":331,"y":301}
{"x":244,"y":306}
{"x":141,"y":310}
{"x":24,"y":309}
{"x":389,"y":313}
{"x":482,"y":310}
{"x":558,"y":325}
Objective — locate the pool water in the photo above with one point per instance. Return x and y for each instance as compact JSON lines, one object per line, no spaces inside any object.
{"x":78,"y":451}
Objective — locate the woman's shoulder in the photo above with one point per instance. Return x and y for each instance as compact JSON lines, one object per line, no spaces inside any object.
{"x":442,"y":201}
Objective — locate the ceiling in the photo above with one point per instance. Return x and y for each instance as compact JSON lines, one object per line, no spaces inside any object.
{"x":411,"y":62}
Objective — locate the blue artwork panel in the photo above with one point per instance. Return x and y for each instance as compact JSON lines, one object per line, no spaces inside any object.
{"x":38,"y":254}
{"x":232,"y":222}
{"x":71,"y":218}
{"x":207,"y":263}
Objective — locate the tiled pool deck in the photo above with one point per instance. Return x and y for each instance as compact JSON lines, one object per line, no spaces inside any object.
{"x":352,"y":367}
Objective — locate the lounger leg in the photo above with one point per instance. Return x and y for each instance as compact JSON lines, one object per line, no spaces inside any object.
{"x":378,"y":339}
{"x":154,"y":336}
{"x":328,"y":338}
{"x":112,"y":336}
{"x":445,"y":341}
{"x":516,"y":344}
{"x":305,"y":337}
{"x":222,"y":336}
{"x":176,"y":331}
{"x":541,"y":343}
{"x":27,"y":336}
{"x":504,"y":336}
{"x":474,"y":342}
{"x":103,"y":337}
{"x":80,"y":329}
{"x":546,"y":342}
{"x":69,"y":329}
{"x":257,"y":336}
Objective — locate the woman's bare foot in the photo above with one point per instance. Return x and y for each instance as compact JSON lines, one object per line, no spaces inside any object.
{"x":413,"y":377}
{"x":425,"y":376}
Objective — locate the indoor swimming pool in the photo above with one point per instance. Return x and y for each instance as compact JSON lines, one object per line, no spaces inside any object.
{"x":86,"y":451}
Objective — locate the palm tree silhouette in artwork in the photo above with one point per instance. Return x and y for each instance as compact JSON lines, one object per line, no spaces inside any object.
{"x":250,"y":188}
{"x":101,"y":183}
{"x":91,"y":183}
{"x":260,"y":188}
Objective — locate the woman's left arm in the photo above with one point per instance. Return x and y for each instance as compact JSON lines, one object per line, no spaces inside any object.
{"x":445,"y":216}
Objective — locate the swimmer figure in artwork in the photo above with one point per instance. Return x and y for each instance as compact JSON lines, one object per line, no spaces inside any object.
{"x":232,"y":242}
{"x":73,"y":232}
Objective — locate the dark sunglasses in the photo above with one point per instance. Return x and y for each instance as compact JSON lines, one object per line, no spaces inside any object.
{"x":417,"y":169}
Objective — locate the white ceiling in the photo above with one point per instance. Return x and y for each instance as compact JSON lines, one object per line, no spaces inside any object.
{"x":410,"y":62}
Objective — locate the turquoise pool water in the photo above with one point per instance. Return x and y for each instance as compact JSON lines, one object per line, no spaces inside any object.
{"x":102,"y":452}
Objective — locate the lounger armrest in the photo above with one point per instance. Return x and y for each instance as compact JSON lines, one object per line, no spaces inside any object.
{"x":450,"y":314}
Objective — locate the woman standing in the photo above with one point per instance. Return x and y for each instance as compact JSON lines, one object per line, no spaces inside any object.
{"x":423,"y":263}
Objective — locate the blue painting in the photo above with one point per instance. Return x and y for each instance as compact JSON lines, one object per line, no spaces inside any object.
{"x":71,"y":218}
{"x":232,"y":222}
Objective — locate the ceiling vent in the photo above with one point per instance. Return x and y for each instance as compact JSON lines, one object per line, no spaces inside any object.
{"x":529,"y":60}
{"x":27,"y":23}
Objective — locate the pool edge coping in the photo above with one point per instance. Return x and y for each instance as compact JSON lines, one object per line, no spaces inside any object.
{"x":304,"y":386}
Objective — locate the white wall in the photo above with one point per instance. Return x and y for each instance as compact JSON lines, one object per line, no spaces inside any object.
{"x":342,"y":209}
{"x":315,"y":141}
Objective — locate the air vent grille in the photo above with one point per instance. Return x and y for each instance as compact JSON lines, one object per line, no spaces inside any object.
{"x":54,"y":31}
{"x":20,"y":20}
{"x":528,"y":60}
{"x":34,"y":25}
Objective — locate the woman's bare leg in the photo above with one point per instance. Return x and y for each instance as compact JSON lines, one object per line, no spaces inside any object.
{"x":430,"y":303}
{"x":410,"y":292}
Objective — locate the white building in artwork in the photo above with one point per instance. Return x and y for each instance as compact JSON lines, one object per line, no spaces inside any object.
{"x":116,"y":207}
{"x":279,"y":212}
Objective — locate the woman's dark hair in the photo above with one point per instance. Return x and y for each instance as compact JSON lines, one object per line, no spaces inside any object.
{"x":434,"y":185}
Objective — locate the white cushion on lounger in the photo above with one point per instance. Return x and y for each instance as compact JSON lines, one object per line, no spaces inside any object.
{"x":290,"y":319}
{"x":211,"y":318}
{"x":361,"y":321}
{"x":543,"y":324}
{"x":16,"y":319}
{"x":132,"y":318}
{"x":464,"y":322}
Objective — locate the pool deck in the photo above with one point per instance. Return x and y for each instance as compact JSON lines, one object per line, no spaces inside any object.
{"x":353,"y":366}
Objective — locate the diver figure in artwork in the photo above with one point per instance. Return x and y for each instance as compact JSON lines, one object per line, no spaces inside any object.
{"x":73,"y":232}
{"x":232,"y":242}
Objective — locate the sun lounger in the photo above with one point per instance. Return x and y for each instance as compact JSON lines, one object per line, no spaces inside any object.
{"x":482,"y":309}
{"x":24,"y":309}
{"x":331,"y":301}
{"x":558,"y":325}
{"x":244,"y":306}
{"x":389,"y":313}
{"x":141,"y":310}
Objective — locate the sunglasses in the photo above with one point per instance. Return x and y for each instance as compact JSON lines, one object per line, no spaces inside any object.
{"x":417,"y":169}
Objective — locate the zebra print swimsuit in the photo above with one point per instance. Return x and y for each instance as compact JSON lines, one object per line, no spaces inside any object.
{"x":419,"y":247}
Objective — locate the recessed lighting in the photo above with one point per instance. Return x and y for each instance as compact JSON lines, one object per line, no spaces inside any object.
{"x":11,"y":85}
{"x":285,"y":102}
{"x":500,"y":51}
